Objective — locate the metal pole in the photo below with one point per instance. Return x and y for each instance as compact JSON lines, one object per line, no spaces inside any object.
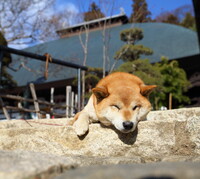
{"x":79,"y":89}
{"x":55,"y":61}
{"x":40,"y":57}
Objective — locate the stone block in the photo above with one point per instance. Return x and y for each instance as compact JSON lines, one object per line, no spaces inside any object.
{"x":153,"y":140}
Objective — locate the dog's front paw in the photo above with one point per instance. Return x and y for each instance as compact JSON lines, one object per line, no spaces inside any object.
{"x":81,"y":131}
{"x":81,"y":126}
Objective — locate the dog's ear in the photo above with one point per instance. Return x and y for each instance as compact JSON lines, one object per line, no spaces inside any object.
{"x":145,"y":90}
{"x":100,"y":92}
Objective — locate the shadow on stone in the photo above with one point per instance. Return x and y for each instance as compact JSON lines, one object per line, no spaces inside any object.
{"x":83,"y":136}
{"x":160,"y":177}
{"x":127,"y":138}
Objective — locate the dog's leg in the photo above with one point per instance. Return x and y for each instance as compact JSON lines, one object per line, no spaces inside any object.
{"x":81,"y":124}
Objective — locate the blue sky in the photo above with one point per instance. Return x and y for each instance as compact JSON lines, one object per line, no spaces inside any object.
{"x":155,"y":6}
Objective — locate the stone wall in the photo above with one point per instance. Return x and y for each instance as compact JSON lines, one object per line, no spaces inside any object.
{"x":166,"y":136}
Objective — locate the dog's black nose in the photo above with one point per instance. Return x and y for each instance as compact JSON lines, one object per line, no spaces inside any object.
{"x":127,"y":125}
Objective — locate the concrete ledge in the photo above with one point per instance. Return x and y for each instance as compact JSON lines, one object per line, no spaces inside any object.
{"x":166,"y":136}
{"x":185,"y":170}
{"x":32,"y":165}
{"x":154,"y":139}
{"x":175,"y":114}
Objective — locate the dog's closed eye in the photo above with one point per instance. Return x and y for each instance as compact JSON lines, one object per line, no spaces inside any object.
{"x":136,"y":107}
{"x":116,"y":107}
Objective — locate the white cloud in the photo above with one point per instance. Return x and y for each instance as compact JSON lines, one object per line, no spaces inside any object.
{"x":69,"y":15}
{"x":70,"y":7}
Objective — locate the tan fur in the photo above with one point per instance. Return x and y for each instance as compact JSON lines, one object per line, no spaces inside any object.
{"x":117,"y":98}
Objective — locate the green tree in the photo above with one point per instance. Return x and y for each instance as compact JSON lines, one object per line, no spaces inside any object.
{"x":131,"y":36}
{"x":140,"y":11}
{"x":94,"y":12}
{"x":149,"y":73}
{"x":171,"y":19}
{"x":144,"y":69}
{"x":130,"y":51}
{"x":174,"y":82}
{"x":168,"y":76}
{"x":6,"y":79}
{"x":92,"y":77}
{"x":189,"y":22}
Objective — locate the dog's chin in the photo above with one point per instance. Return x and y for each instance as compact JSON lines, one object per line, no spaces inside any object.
{"x":122,"y":130}
{"x":126,"y":131}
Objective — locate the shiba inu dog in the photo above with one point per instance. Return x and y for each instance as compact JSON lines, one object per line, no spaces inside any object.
{"x":119,"y":99}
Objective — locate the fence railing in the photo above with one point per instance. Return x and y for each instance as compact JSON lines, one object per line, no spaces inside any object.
{"x":79,"y":68}
{"x":18,"y":107}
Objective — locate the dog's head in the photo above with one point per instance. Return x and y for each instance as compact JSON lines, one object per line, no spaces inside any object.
{"x":123,"y":106}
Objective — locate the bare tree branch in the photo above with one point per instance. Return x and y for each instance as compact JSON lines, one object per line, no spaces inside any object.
{"x":21,"y":19}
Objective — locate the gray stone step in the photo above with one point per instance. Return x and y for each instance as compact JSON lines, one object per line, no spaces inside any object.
{"x":166,"y":136}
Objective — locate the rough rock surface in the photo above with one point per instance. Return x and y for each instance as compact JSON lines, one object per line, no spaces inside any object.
{"x":166,"y":136}
{"x":163,"y":136}
{"x":137,"y":171}
{"x":23,"y":164}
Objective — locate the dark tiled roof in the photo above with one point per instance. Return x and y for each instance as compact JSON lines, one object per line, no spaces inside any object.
{"x":165,"y":40}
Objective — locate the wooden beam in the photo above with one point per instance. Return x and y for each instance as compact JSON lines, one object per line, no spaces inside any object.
{"x":4,"y":109}
{"x":32,"y":110}
{"x":37,"y":108}
{"x":68,"y":100}
{"x":19,"y":98}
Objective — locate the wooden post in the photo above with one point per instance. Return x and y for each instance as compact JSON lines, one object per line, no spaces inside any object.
{"x":83,"y":90}
{"x":76,"y":102}
{"x":52,"y":95}
{"x":37,"y":108}
{"x":170,"y":100}
{"x":52,"y":98}
{"x":72,"y":104}
{"x":4,"y":109}
{"x":79,"y":89}
{"x":68,"y":99}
